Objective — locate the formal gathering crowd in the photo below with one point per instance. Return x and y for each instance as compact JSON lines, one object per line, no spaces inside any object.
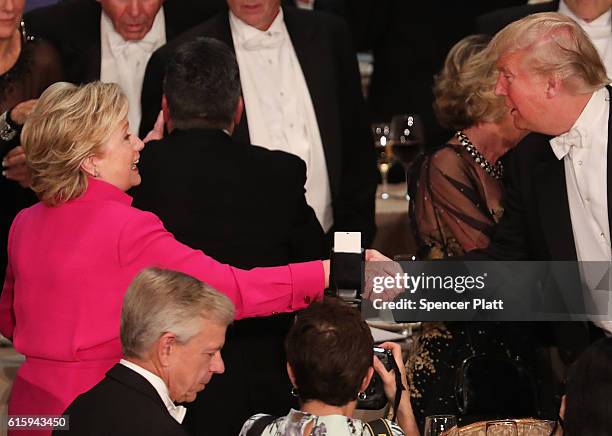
{"x":173,"y":172}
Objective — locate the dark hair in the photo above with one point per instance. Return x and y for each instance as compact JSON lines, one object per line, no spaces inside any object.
{"x":588,"y":390}
{"x":329,"y":348}
{"x":202,"y":85}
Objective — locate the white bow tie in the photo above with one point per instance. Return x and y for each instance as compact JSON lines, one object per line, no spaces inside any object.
{"x":562,"y":144}
{"x":118,"y":45}
{"x":269,"y":39}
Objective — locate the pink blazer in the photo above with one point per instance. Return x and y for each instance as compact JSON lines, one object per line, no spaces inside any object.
{"x":69,"y":267}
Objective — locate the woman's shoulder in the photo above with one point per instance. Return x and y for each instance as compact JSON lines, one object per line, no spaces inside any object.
{"x":447,"y":156}
{"x":261,"y":420}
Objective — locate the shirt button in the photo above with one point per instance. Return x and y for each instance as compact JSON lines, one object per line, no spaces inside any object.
{"x":579,"y":162}
{"x":307,"y":299}
{"x":270,"y":61}
{"x":291,"y":125}
{"x":602,"y":235}
{"x":282,"y":94}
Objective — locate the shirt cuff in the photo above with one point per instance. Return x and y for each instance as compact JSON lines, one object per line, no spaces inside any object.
{"x":308,"y":280}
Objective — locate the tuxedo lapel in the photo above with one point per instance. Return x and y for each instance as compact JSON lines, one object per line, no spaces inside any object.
{"x":135,"y":381}
{"x":553,"y":205}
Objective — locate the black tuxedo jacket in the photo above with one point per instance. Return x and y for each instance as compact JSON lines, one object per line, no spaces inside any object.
{"x":239,"y":203}
{"x":493,"y":22}
{"x":73,"y":26}
{"x":323,"y":48}
{"x":243,"y":205}
{"x":123,"y":403}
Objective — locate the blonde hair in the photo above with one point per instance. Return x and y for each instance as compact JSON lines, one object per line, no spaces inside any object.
{"x":160,"y":301}
{"x":464,"y":89}
{"x":554,"y":45}
{"x":69,"y":124}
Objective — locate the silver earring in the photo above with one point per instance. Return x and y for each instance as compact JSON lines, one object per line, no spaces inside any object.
{"x":362,"y":395}
{"x":294,"y":392}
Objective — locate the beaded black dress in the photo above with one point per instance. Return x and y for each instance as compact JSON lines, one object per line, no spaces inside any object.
{"x":454,"y":208}
{"x":37,"y":67}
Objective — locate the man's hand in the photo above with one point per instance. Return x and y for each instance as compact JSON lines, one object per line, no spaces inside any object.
{"x":379,"y":265}
{"x":14,"y":166}
{"x":157,"y":132}
{"x":20,"y":113}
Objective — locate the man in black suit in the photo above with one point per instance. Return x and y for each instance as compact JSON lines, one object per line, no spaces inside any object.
{"x":241,"y":204}
{"x":172,"y":331}
{"x":558,"y":196}
{"x":93,"y":36}
{"x":314,"y":110}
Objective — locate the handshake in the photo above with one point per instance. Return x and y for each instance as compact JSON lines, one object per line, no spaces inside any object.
{"x":354,"y":271}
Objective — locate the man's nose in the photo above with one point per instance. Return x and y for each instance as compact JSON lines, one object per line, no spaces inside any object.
{"x":134,"y":8}
{"x":500,"y":87}
{"x":217,"y":366}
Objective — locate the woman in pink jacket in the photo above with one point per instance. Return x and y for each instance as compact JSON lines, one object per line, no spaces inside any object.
{"x":73,"y":255}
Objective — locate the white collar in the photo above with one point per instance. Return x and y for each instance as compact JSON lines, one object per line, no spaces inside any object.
{"x":578,"y":135}
{"x":155,"y":37}
{"x":177,"y":412}
{"x":604,"y":20}
{"x":243,"y":32}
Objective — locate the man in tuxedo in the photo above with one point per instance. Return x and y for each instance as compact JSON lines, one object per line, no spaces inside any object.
{"x":302,"y":94}
{"x":594,"y":16}
{"x":241,"y":204}
{"x":172,"y":331}
{"x":557,"y":193}
{"x":112,"y":40}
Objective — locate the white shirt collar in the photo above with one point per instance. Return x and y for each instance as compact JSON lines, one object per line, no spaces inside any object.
{"x":177,"y":412}
{"x":578,"y":135}
{"x":604,"y":20}
{"x":155,"y":37}
{"x":243,"y":33}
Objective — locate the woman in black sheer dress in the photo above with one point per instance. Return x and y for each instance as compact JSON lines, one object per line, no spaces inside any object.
{"x":27,"y":67}
{"x":456,"y":203}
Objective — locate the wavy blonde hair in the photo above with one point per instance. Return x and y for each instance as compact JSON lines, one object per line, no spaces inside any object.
{"x":69,"y":124}
{"x":554,"y":45}
{"x":464,"y":89}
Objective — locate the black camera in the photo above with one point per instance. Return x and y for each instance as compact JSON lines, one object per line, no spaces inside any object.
{"x":375,"y":398}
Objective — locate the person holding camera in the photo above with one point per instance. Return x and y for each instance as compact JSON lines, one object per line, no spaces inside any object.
{"x":330,"y":361}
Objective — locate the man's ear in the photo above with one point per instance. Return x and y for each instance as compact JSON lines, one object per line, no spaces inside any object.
{"x":166,"y":112}
{"x":165,"y":347}
{"x":238,"y":111}
{"x":366,"y":380}
{"x":553,"y":85}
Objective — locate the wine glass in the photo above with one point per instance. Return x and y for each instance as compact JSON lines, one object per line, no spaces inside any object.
{"x":408,"y":138}
{"x":441,"y":425}
{"x":501,"y":428}
{"x":384,"y":151}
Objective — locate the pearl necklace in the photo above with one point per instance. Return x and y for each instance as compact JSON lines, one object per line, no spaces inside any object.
{"x":496,"y":170}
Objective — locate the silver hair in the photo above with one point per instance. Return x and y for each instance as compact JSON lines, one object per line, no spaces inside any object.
{"x":160,"y":301}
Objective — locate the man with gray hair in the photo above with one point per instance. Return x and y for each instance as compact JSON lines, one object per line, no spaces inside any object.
{"x":172,"y":331}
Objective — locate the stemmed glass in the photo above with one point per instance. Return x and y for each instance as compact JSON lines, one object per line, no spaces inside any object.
{"x":501,"y":428}
{"x":384,"y":151}
{"x":408,"y":138}
{"x":441,"y":425}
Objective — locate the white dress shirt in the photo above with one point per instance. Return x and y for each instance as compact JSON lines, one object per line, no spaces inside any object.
{"x":600,"y":32}
{"x":279,"y":110}
{"x":584,"y":150}
{"x":177,"y":412}
{"x":124,"y":62}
